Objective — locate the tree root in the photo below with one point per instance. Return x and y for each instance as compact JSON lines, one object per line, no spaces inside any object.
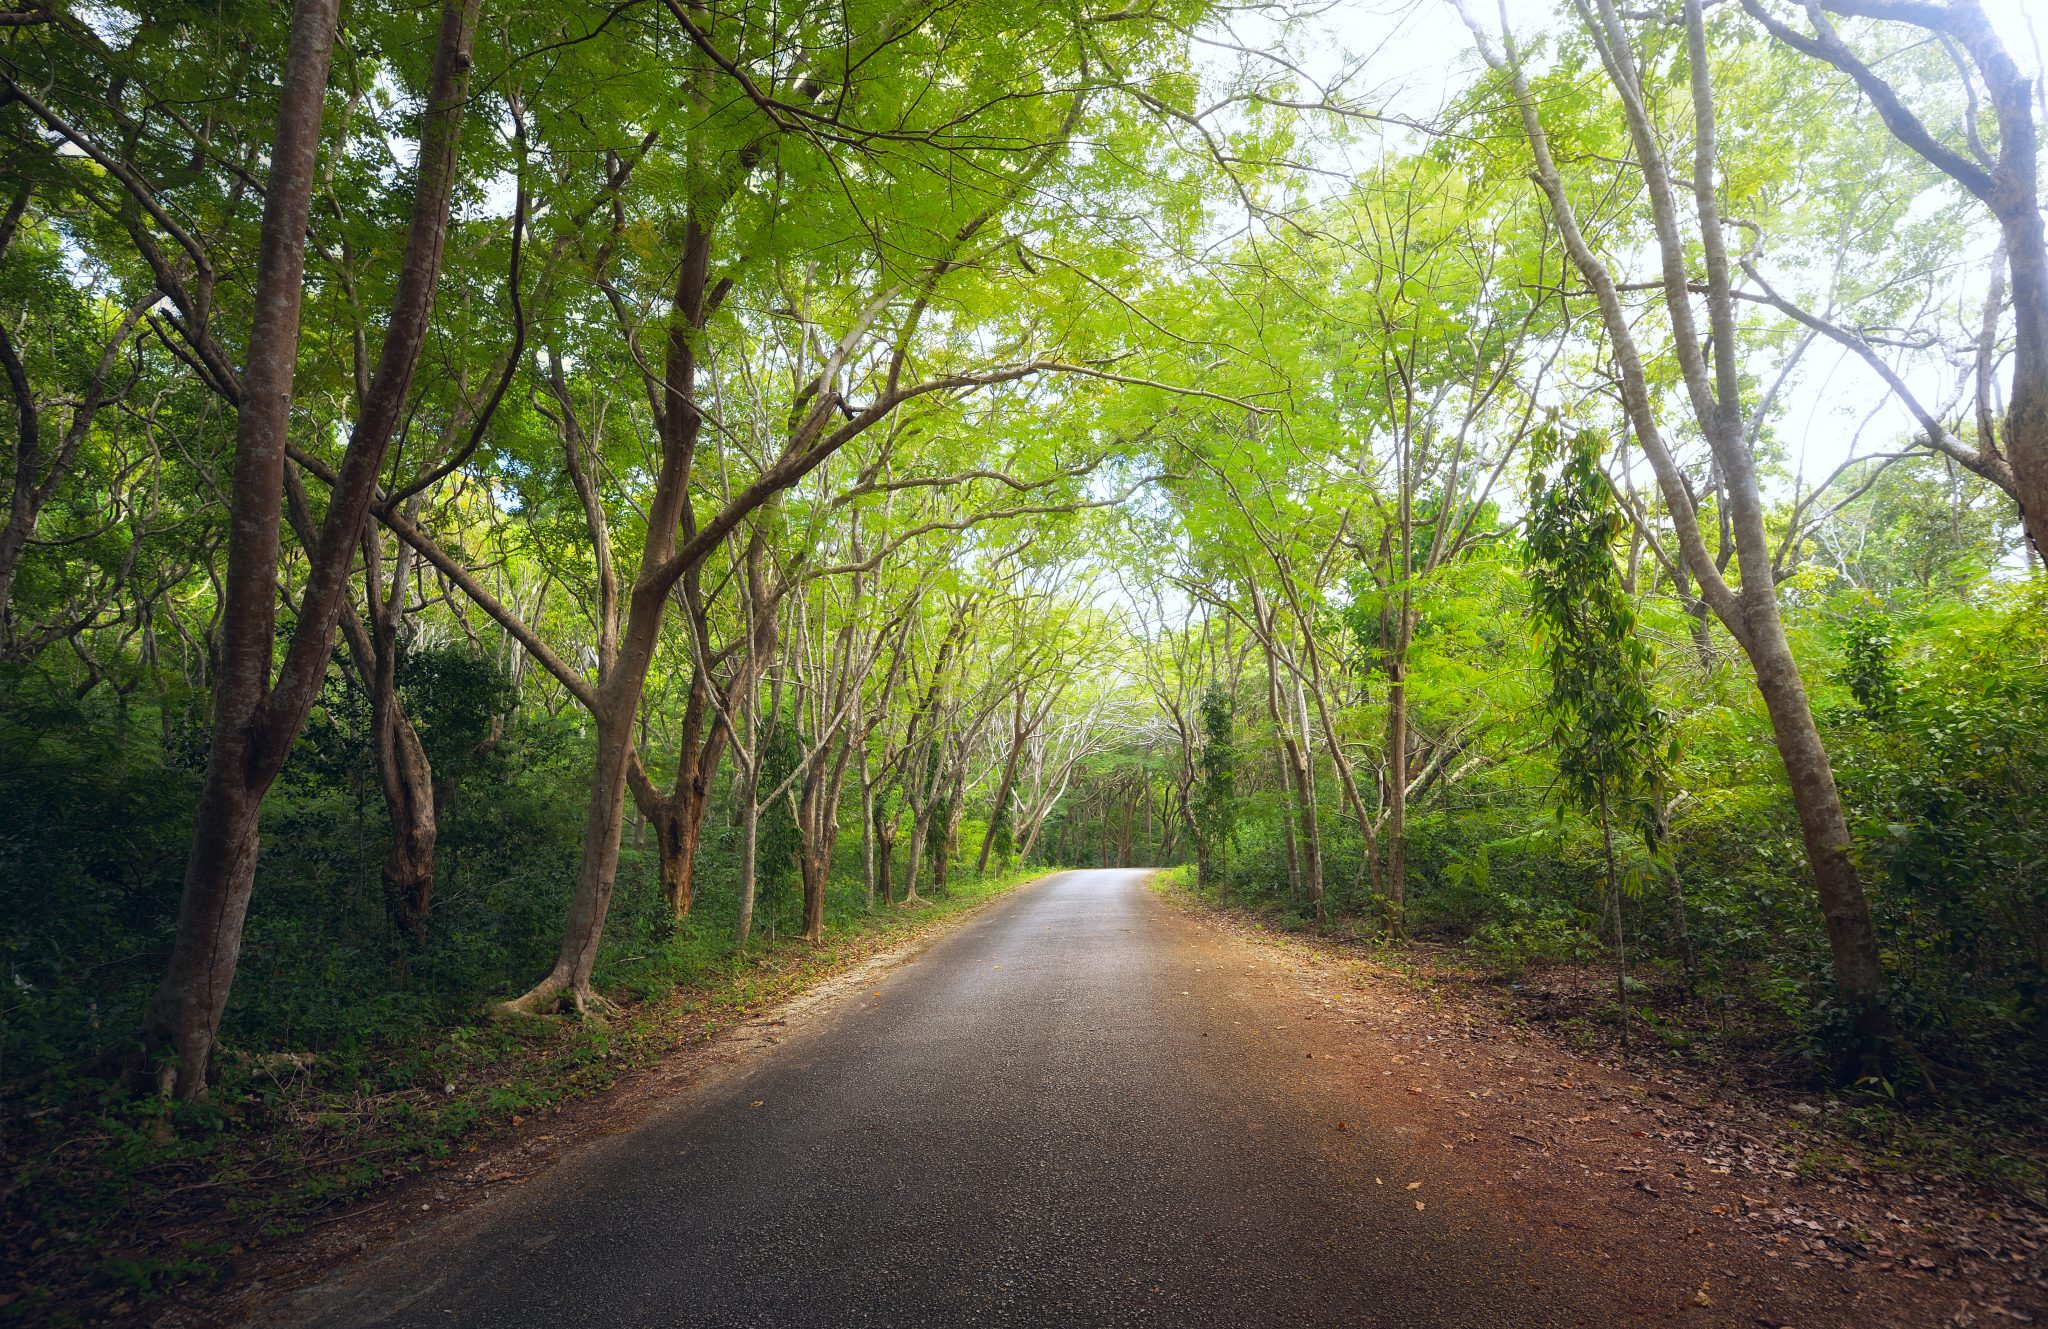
{"x":555,"y":995}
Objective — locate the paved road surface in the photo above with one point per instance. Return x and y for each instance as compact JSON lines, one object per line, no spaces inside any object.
{"x":1080,"y":1108}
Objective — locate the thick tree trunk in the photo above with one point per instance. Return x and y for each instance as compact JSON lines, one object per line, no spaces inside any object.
{"x":678,"y":819}
{"x":1852,"y":935}
{"x":404,"y":775}
{"x":814,"y":856}
{"x":816,"y":867}
{"x":220,"y":871}
{"x":603,"y":824}
{"x":2026,"y":416}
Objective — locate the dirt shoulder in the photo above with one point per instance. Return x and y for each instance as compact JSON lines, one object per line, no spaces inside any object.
{"x":1671,"y":1200}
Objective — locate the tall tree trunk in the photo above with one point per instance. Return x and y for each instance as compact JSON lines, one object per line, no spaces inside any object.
{"x":404,"y":774}
{"x":1311,"y":828}
{"x":220,"y":872}
{"x":920,"y":828}
{"x":618,"y":696}
{"x":946,"y":827}
{"x":815,"y":827}
{"x":2026,"y":415}
{"x":1713,"y":388}
{"x":1284,"y":767}
{"x":679,"y":818}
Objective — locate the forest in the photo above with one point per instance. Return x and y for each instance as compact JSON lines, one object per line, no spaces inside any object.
{"x":526,"y":514}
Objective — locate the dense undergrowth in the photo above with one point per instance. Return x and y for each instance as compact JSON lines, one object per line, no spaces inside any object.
{"x":1942,"y":751}
{"x":1941,"y":746}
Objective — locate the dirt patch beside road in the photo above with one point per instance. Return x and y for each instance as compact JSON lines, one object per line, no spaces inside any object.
{"x":1672,"y":1201}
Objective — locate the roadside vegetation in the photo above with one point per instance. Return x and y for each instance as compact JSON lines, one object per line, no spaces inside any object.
{"x":533,"y":526}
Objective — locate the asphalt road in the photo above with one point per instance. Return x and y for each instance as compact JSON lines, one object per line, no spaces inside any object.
{"x":1080,"y":1108}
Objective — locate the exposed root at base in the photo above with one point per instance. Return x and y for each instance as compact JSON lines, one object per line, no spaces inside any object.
{"x":556,"y":996}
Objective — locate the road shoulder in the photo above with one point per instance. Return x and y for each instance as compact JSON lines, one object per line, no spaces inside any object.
{"x":1665,"y":1202}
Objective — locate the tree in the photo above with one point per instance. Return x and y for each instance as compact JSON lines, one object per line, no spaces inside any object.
{"x":256,"y":719}
{"x":2012,"y":452}
{"x":1607,"y":733}
{"x":1714,"y":392}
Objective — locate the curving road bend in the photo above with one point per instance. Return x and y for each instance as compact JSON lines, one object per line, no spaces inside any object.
{"x":1079,"y":1108}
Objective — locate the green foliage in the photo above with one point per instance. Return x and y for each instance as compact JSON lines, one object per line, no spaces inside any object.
{"x":455,"y":696}
{"x":1608,"y":736}
{"x":1869,"y":668}
{"x":1216,"y":804}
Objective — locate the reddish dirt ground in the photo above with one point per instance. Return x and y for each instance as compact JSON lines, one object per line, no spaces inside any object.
{"x":1668,"y":1201}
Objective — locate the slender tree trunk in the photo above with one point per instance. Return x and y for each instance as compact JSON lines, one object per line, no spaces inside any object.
{"x":1614,"y":903}
{"x":867,"y":840}
{"x":404,"y":774}
{"x":1311,"y":828}
{"x":1397,"y":799}
{"x":750,"y":827}
{"x":1713,"y":387}
{"x":618,"y":695}
{"x":920,"y":826}
{"x":1287,"y":822}
{"x":1030,"y":840}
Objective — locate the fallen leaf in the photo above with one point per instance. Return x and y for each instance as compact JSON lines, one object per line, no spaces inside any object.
{"x":1414,"y":1185}
{"x":1418,"y":1204}
{"x":757,"y":1102}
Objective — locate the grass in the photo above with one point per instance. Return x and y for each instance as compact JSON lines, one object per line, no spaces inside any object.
{"x":111,"y":1203}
